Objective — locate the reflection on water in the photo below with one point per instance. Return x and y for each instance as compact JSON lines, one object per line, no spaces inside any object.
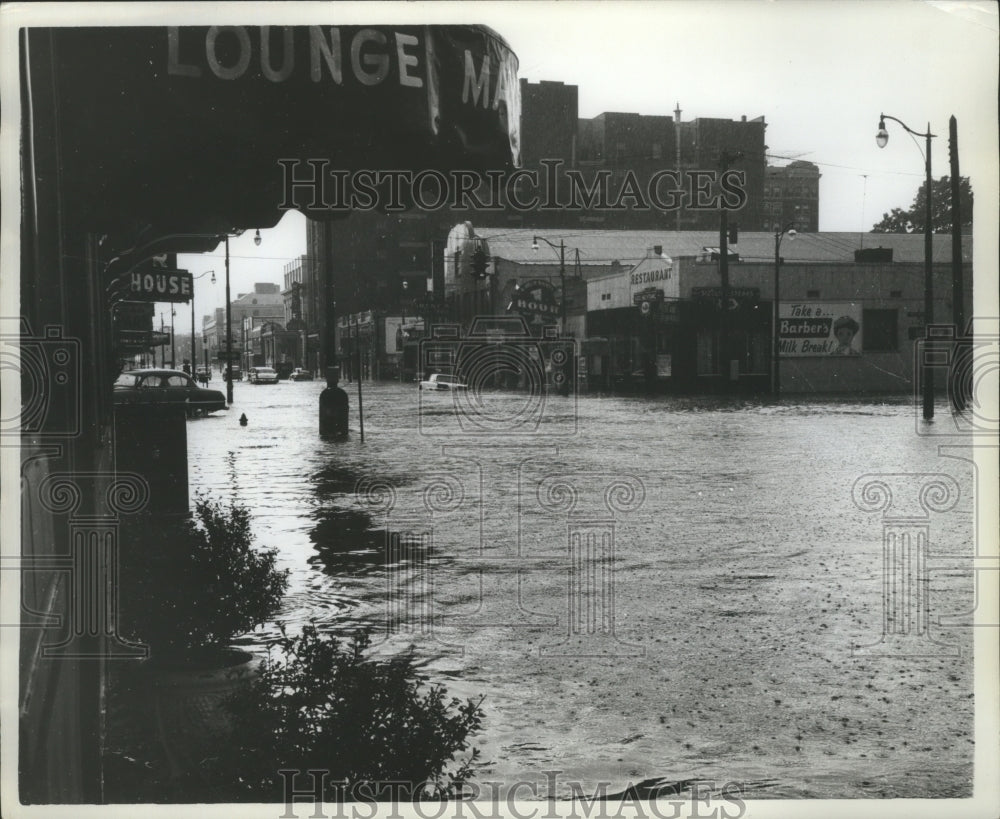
{"x":744,"y":576}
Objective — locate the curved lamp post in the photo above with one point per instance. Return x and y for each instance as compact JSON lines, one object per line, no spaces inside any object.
{"x":881,"y":139}
{"x":788,"y":230}
{"x":194,"y":357}
{"x":229,"y":323}
{"x":561,"y":247}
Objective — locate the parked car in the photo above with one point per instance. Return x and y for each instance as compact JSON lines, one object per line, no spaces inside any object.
{"x":262,"y":375}
{"x":155,"y":386}
{"x":441,"y":381}
{"x":298,"y":374}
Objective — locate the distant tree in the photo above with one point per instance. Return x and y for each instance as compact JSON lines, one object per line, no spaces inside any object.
{"x":912,"y":220}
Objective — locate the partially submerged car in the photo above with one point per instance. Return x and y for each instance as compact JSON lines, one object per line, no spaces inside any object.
{"x":262,"y":375}
{"x":442,"y":381}
{"x":162,"y":386}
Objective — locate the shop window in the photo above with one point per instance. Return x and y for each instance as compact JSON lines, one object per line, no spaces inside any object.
{"x":880,"y":331}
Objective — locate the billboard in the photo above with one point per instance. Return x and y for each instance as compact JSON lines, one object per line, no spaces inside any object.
{"x":820,"y":329}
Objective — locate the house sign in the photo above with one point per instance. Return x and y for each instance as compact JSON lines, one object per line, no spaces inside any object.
{"x":535,"y":300}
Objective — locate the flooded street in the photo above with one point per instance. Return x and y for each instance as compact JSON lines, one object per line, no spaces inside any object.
{"x":640,"y":587}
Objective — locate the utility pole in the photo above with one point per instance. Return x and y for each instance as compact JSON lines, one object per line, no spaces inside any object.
{"x":677,"y":150}
{"x":330,"y":351}
{"x":928,"y":280}
{"x":562,"y":284}
{"x":229,"y":333}
{"x":957,"y":284}
{"x":724,"y":161}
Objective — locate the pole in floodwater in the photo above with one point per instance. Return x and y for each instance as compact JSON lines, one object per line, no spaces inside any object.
{"x":361,"y":409}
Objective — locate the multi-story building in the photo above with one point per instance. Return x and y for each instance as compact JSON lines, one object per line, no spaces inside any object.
{"x":265,"y":302}
{"x":390,"y":262}
{"x":791,"y":195}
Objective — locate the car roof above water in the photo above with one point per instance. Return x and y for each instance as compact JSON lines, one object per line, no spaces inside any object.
{"x":153,"y":371}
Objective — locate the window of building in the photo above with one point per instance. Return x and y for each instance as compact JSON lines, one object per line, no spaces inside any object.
{"x":880,"y":331}
{"x":895,"y":294}
{"x":812,"y":294}
{"x":657,"y":150}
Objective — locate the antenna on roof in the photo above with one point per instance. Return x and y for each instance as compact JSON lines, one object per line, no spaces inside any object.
{"x":864,"y":193}
{"x":677,"y":148}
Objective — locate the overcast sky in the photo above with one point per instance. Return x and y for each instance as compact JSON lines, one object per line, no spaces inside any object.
{"x":820,"y":72}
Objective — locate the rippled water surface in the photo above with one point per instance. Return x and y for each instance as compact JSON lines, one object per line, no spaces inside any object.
{"x":640,"y":587}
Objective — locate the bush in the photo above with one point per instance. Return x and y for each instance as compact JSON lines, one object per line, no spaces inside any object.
{"x":323,"y":705}
{"x":190,"y":586}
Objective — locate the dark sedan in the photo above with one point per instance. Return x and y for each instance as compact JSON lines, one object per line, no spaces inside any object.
{"x":166,"y":386}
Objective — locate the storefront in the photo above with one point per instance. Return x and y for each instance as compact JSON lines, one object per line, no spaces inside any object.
{"x":169,"y":143}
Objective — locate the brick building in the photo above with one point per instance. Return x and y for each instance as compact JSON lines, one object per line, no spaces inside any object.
{"x":791,"y":195}
{"x":388,"y":262}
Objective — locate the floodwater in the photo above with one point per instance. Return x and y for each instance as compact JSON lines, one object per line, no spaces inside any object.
{"x":640,"y":587}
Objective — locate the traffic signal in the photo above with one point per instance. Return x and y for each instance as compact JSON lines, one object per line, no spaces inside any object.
{"x":479,"y":262}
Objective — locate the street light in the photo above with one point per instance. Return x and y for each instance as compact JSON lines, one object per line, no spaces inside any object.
{"x":881,"y":139}
{"x":194,"y":358}
{"x":788,"y":230}
{"x":561,"y":247}
{"x":229,"y":324}
{"x":402,"y":330}
{"x":229,"y":334}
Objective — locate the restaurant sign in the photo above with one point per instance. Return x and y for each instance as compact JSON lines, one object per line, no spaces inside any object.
{"x":819,"y":328}
{"x":655,"y":272}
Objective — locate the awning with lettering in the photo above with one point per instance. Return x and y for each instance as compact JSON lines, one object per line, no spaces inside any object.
{"x":183,"y":128}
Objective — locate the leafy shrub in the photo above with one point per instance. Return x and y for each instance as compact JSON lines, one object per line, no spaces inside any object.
{"x":322,"y":705}
{"x":190,"y":586}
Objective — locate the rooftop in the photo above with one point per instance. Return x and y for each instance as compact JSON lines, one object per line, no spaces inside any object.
{"x":602,"y":247}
